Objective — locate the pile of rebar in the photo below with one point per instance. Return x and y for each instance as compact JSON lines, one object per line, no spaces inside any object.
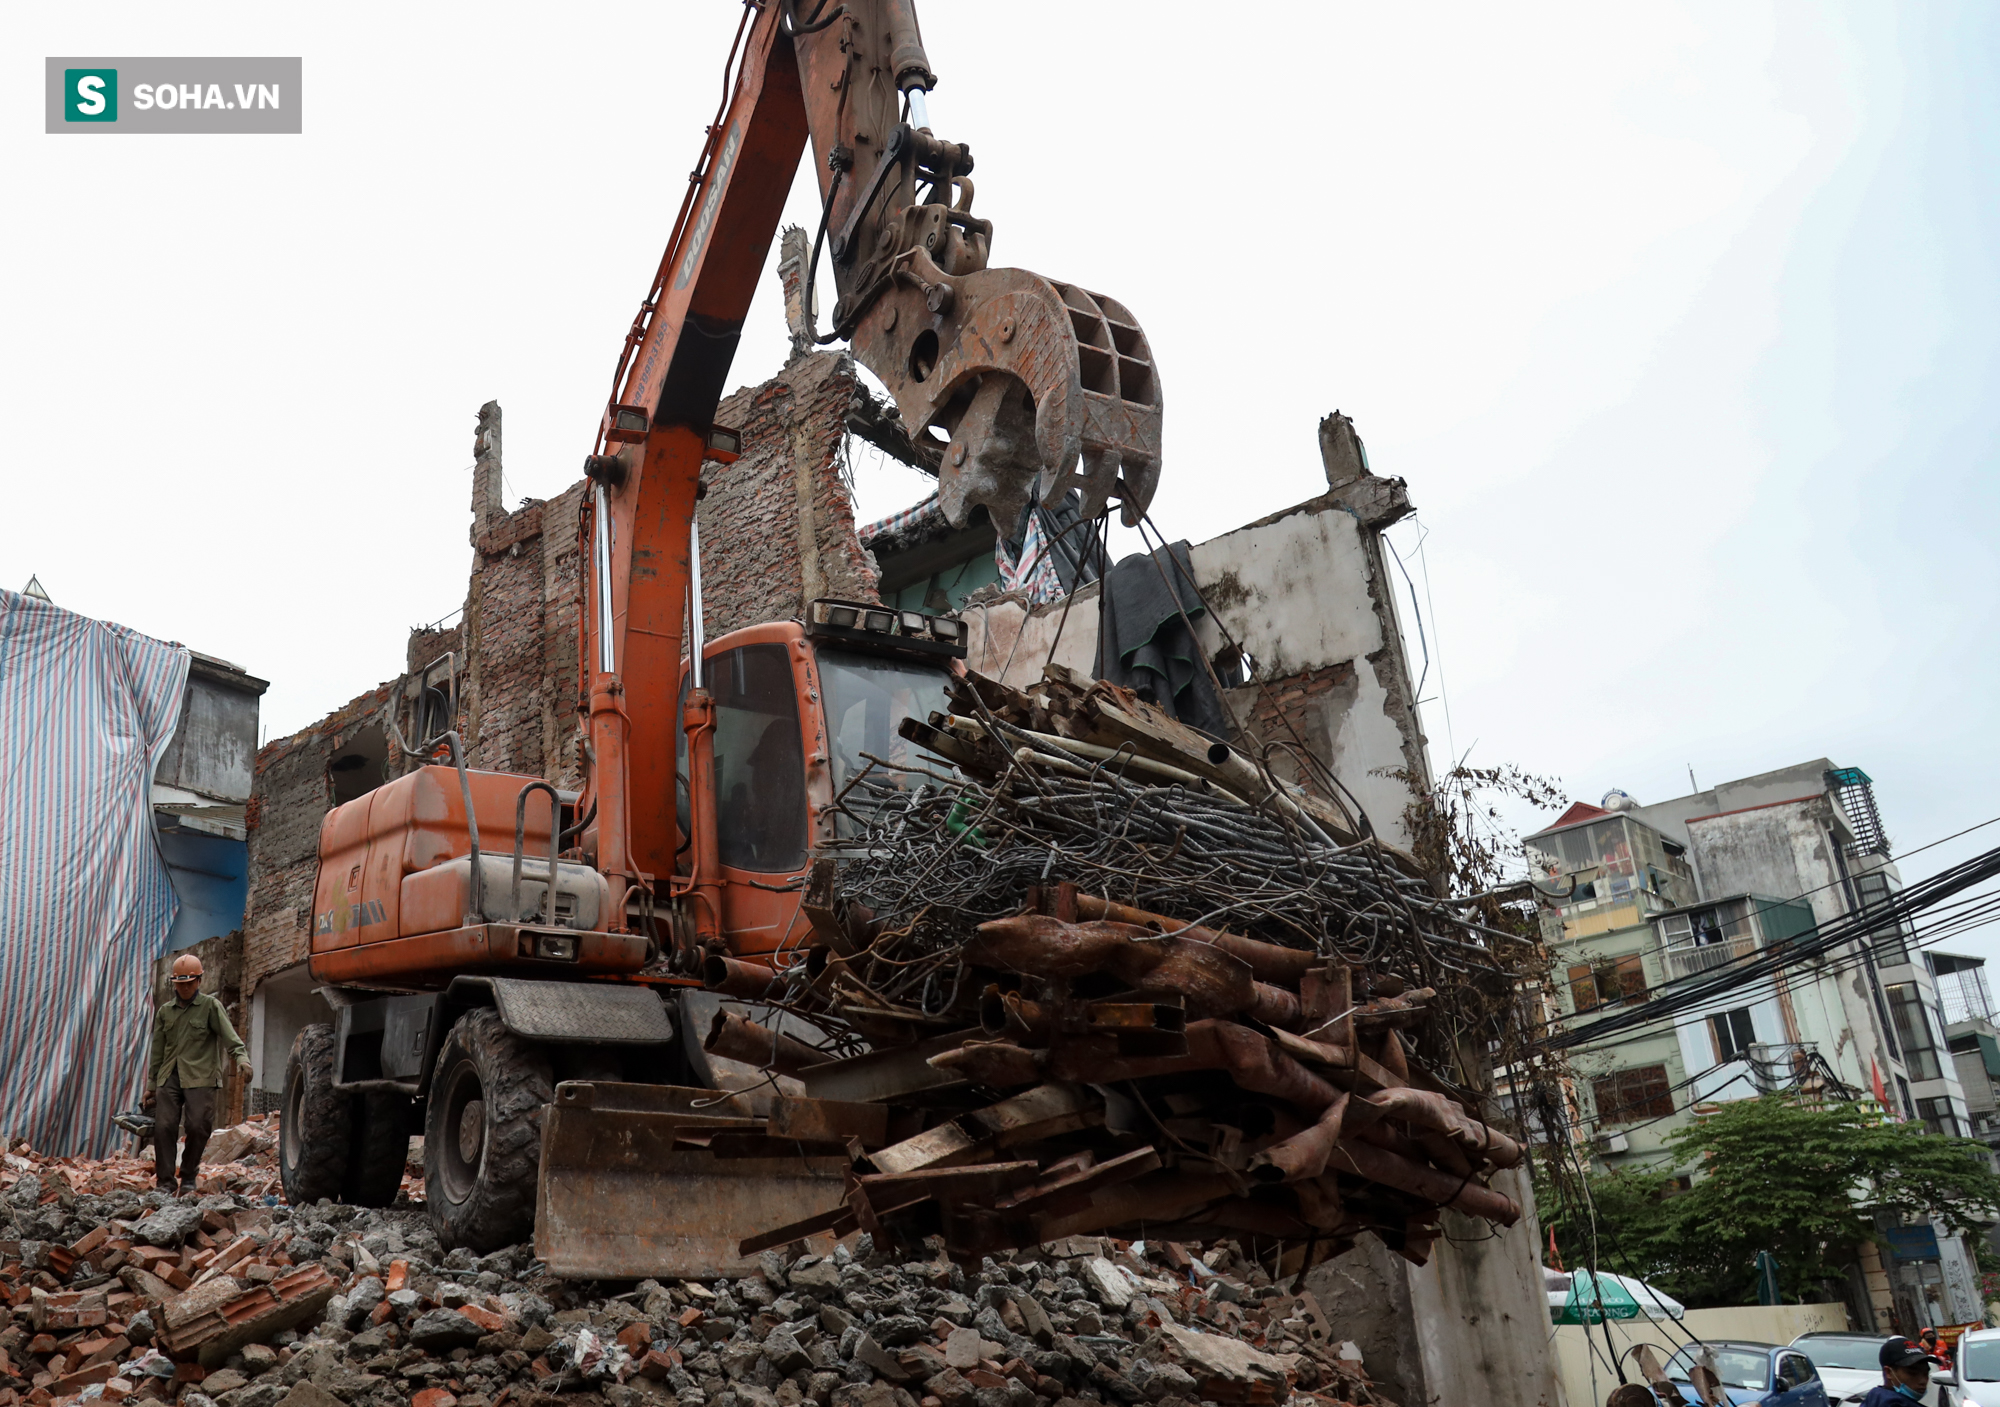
{"x":1112,"y":974}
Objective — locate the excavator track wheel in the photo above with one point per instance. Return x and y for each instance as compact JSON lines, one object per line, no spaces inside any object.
{"x":315,"y":1122}
{"x":483,"y":1134}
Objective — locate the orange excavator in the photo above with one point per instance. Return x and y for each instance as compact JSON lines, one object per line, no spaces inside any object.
{"x":497,"y":952}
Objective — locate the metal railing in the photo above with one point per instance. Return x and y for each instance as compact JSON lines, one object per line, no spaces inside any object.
{"x":1689,"y":957}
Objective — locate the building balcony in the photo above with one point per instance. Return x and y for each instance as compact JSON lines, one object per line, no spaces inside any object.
{"x":1702,"y":938}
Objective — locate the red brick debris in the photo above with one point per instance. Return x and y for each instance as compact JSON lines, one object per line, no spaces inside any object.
{"x":111,"y":1290}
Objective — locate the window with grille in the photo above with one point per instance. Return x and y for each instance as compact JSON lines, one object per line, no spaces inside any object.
{"x":1633,"y":1096}
{"x":1914,"y":1031}
{"x":1732,"y":1033}
{"x":1940,"y":1117}
{"x":1607,"y":981}
{"x":1889,"y":936}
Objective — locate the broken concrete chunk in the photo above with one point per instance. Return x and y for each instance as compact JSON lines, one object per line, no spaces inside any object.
{"x":1108,"y":1283}
{"x":1229,"y":1370}
{"x":961,"y":1348}
{"x":880,"y":1359}
{"x":203,"y":1298}
{"x":814,"y":1273}
{"x":782,"y":1347}
{"x":442,"y":1330}
{"x":168,"y":1226}
{"x":307,"y":1394}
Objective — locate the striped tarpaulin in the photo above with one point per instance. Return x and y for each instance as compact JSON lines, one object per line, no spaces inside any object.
{"x":86,"y":708}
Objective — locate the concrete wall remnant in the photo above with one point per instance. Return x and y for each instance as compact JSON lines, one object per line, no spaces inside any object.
{"x":1307,"y":594}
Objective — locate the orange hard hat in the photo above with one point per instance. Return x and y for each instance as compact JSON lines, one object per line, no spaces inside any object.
{"x":187,"y":968}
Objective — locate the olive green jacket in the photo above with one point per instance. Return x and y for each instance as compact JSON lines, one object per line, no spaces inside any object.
{"x":190,"y":1039}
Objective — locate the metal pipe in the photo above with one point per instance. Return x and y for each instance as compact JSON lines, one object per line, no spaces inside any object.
{"x":1303,"y":1156}
{"x":1124,"y":757}
{"x":1252,"y":1061}
{"x":1440,"y":1188}
{"x":736,"y":979}
{"x":704,"y":856}
{"x":697,"y":628}
{"x":1214,"y":982}
{"x":476,"y":887}
{"x":600,"y":548}
{"x":521,"y":844}
{"x":1002,"y":1013}
{"x":1428,"y":1109}
{"x":736,"y":1037}
{"x":1268,"y":961}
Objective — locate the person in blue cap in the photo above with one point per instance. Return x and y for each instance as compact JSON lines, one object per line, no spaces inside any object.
{"x":1906,"y":1375}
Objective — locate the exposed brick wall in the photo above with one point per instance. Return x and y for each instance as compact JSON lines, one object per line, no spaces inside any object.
{"x":289,"y":799}
{"x":505,"y":684}
{"x":1299,"y":708}
{"x":761,"y":560}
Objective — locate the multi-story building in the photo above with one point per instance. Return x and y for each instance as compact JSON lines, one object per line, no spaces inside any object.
{"x":1654,"y":897}
{"x":1972,"y":1035}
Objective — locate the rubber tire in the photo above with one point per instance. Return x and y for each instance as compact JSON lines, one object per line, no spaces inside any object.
{"x":489,"y":1203}
{"x":315,"y":1123}
{"x":381,"y":1149}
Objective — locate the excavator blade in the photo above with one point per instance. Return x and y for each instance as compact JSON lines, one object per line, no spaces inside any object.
{"x":657,"y":1180}
{"x":1027,"y":388}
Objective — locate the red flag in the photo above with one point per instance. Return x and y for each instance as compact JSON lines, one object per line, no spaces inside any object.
{"x":1881,"y":1093}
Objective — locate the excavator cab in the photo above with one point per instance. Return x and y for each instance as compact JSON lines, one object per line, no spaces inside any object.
{"x":801,"y":709}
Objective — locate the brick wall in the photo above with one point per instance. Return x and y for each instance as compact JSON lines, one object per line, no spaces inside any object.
{"x":290,"y":797}
{"x":777,"y":526}
{"x":1297,"y":710}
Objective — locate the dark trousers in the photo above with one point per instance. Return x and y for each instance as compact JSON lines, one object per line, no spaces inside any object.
{"x":172,"y":1106}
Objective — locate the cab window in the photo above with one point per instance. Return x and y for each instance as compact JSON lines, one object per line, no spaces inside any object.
{"x":867,"y":699}
{"x":760,"y":771}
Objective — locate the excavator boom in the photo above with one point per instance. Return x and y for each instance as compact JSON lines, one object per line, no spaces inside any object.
{"x":1024,"y":388}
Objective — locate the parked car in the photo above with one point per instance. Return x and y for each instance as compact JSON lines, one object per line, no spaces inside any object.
{"x":1979,"y":1368}
{"x":1768,"y":1374}
{"x":1851,"y":1364}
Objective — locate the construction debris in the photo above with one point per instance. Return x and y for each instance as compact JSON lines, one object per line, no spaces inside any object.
{"x":236,"y":1301}
{"x":1221,"y":1009}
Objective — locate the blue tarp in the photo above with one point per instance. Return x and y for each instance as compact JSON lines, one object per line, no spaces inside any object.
{"x":86,"y":903}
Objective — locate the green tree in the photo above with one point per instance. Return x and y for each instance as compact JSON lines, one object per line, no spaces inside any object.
{"x":1776,"y":1174}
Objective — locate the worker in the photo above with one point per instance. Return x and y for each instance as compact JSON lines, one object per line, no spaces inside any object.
{"x":1906,"y":1375}
{"x":191,"y":1033}
{"x":1939,"y":1351}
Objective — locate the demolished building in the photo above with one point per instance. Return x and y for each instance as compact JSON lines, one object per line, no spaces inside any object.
{"x":1293,"y":616}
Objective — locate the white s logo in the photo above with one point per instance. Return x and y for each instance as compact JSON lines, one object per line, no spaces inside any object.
{"x":90,"y":95}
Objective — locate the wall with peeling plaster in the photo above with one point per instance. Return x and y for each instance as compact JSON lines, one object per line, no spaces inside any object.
{"x":1306,"y":594}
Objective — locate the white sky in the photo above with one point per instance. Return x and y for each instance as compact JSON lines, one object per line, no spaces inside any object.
{"x":1680,"y":320}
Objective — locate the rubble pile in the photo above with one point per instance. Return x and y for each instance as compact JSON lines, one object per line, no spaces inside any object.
{"x":230,"y":1301}
{"x":1086,"y":1047}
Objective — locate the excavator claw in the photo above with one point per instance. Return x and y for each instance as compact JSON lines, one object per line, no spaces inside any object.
{"x":1028,"y":387}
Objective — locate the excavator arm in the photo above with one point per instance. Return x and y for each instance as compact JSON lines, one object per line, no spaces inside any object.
{"x":1024,"y":388}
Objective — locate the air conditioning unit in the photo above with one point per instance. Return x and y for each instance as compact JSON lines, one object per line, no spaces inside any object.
{"x":1612,"y":1143}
